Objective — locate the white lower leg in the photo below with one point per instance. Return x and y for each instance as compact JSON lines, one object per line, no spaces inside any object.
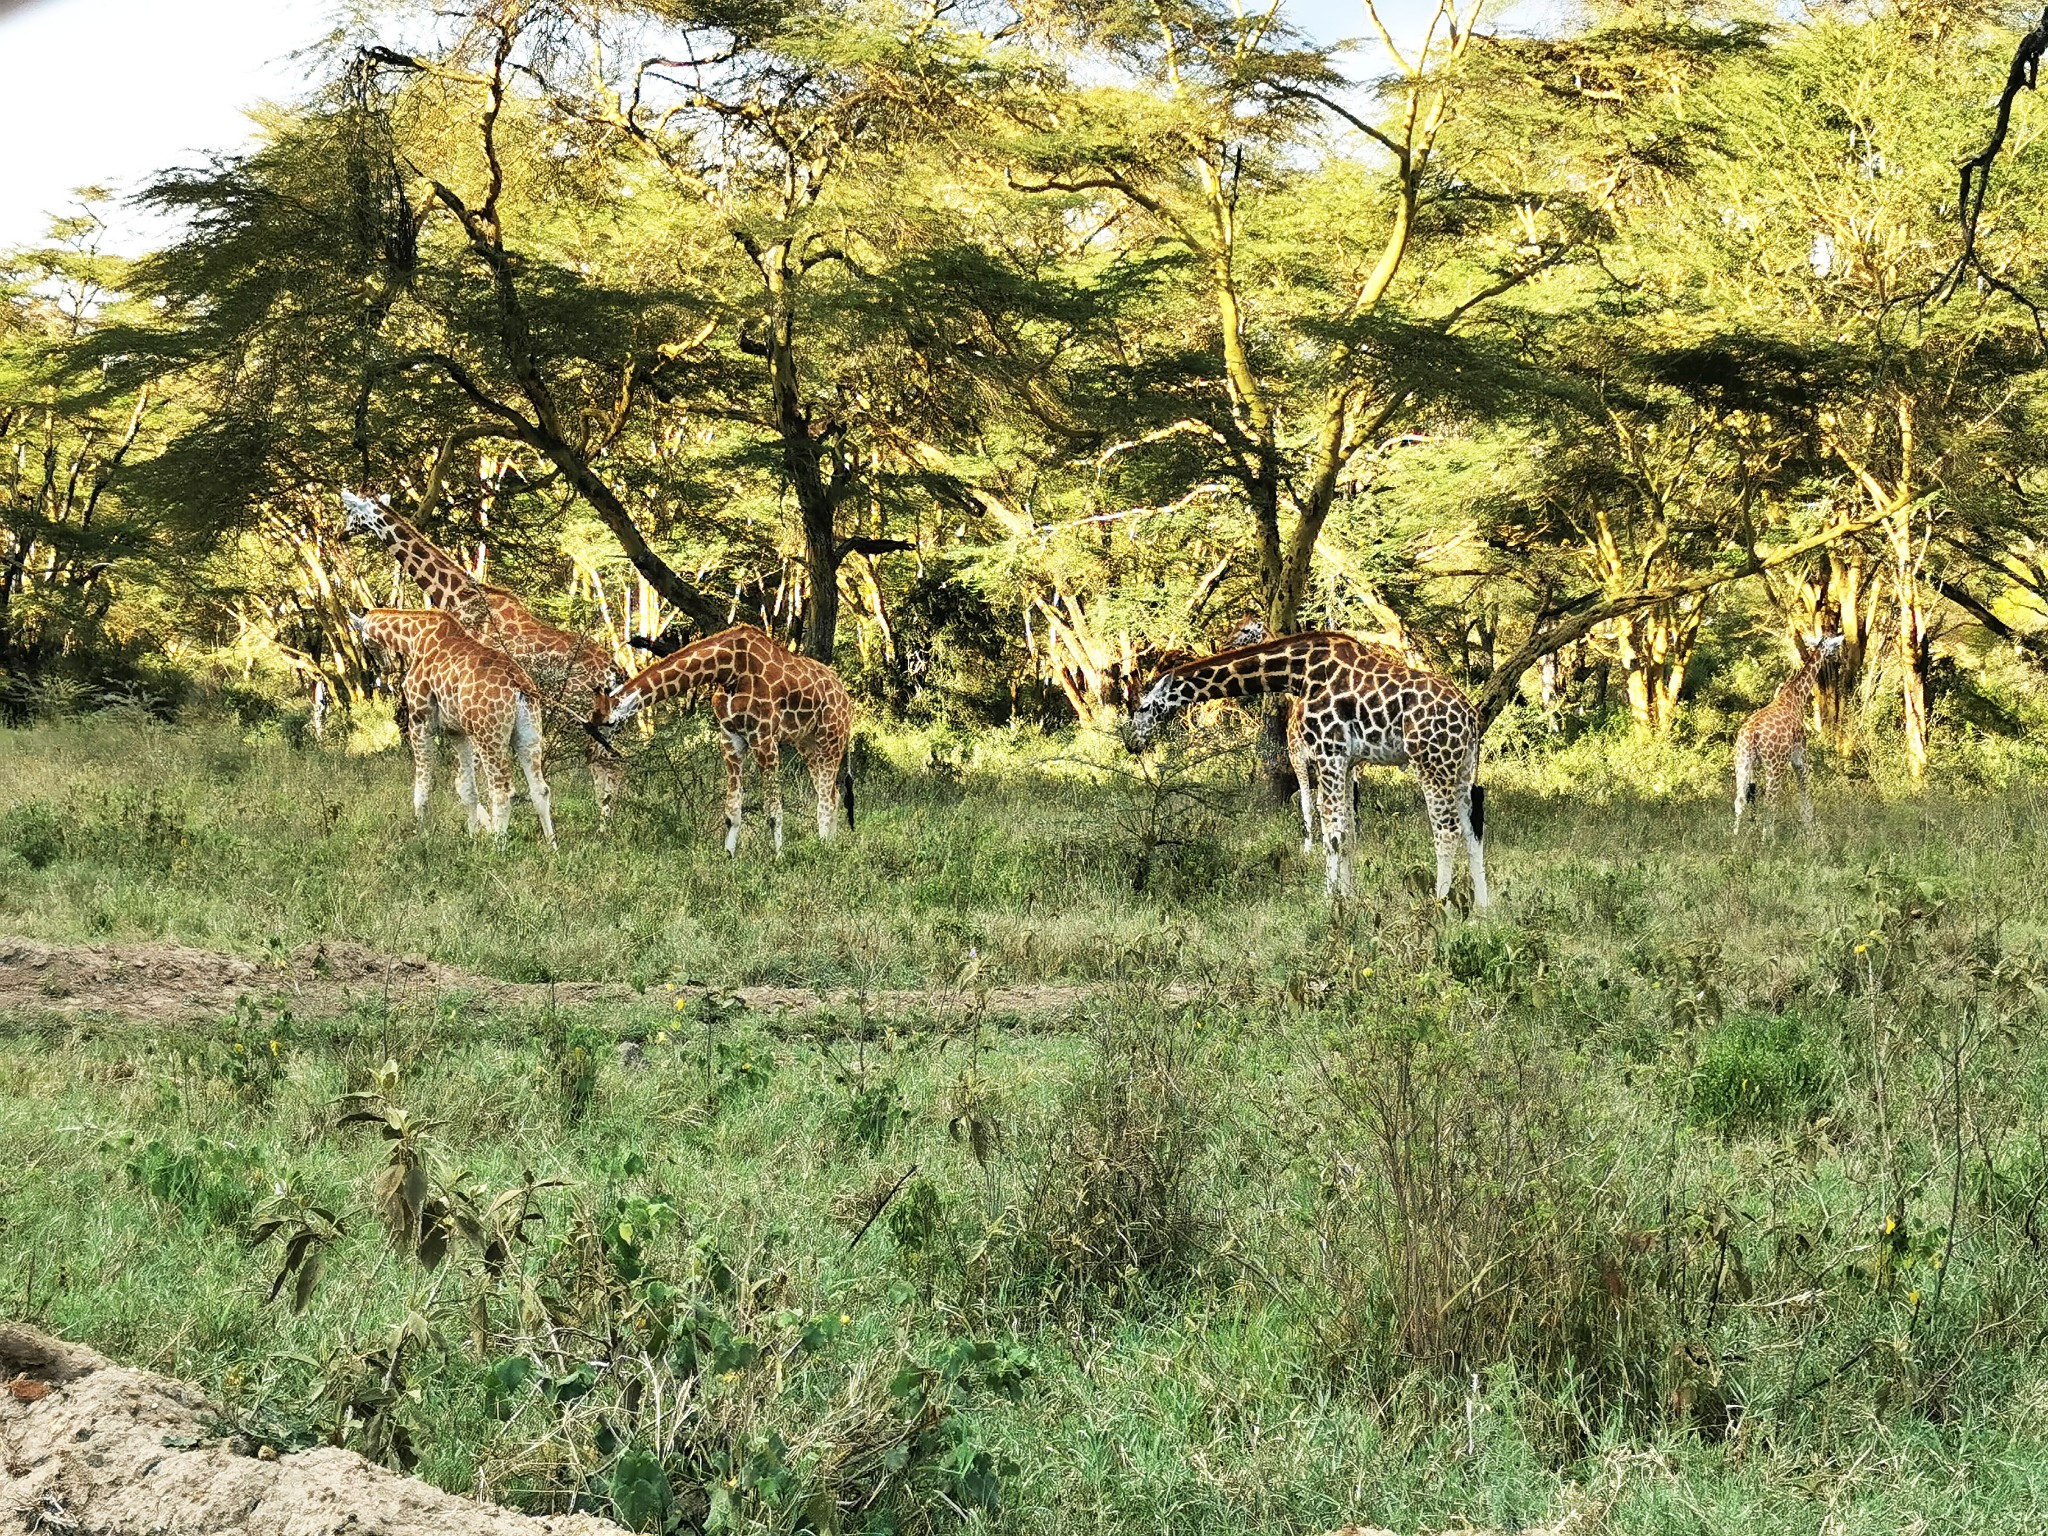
{"x":537,"y":788}
{"x":422,"y":770}
{"x":734,"y":747}
{"x":476,"y":817}
{"x":1331,"y":787}
{"x":827,"y":786}
{"x":1446,"y":839}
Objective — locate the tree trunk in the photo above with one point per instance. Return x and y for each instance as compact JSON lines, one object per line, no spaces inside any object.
{"x":1656,"y":645}
{"x":816,"y":498}
{"x":1912,"y":648}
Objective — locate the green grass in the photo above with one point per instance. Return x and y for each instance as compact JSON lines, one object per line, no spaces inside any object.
{"x":1232,"y":1262}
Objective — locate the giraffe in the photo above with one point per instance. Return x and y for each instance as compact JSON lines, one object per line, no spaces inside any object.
{"x":566,"y":666}
{"x":1360,"y":703}
{"x":763,"y":697}
{"x":1775,"y":736}
{"x":455,"y":684}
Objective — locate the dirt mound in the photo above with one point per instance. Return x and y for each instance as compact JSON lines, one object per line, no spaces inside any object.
{"x":170,"y":981}
{"x":88,"y":1448}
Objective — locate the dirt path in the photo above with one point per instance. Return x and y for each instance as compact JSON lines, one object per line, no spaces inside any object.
{"x":172,"y":981}
{"x":90,"y":1448}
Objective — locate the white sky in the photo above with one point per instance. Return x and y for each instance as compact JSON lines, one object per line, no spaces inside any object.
{"x":107,"y":91}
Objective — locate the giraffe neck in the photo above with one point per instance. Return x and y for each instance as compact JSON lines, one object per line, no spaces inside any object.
{"x":437,"y":573}
{"x":703,"y":665}
{"x":1276,"y":666}
{"x":1796,"y":688}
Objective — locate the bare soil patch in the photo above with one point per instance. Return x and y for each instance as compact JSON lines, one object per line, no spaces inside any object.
{"x":89,"y":1448}
{"x":168,"y":982}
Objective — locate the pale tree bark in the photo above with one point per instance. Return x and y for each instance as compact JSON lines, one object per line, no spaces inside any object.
{"x":1889,"y":491}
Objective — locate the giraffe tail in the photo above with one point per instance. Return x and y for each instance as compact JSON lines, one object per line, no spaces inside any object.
{"x":846,"y":786}
{"x":1478,"y":813}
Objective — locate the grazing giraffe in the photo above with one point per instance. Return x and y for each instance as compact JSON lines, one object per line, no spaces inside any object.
{"x":455,"y":684}
{"x":1775,"y":736}
{"x":763,"y":697}
{"x":566,"y":666}
{"x":1360,"y":703}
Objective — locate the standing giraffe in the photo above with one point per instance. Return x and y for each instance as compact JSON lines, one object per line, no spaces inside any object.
{"x":567,"y":667}
{"x":1359,"y":704}
{"x":457,"y":685}
{"x":763,"y":697}
{"x":1775,"y":736}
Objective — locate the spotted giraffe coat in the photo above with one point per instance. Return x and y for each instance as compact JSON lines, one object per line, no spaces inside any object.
{"x":566,"y":668}
{"x":1359,"y":704}
{"x":457,"y":686}
{"x":764,"y":697}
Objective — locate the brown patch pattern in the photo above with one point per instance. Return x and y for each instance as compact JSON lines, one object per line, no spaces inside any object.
{"x":1359,"y":704}
{"x":565,"y":667}
{"x":1774,"y":738}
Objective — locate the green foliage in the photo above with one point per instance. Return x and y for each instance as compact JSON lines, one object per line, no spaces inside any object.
{"x":1759,"y":1072}
{"x":215,"y":1183}
{"x":1382,"y":1214}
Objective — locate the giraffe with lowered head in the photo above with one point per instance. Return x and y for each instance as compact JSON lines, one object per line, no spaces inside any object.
{"x":763,"y":697}
{"x":567,"y":667}
{"x":1359,"y":704}
{"x":1774,"y":738}
{"x":456,"y":685}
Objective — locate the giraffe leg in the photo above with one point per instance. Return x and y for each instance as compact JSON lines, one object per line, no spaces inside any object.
{"x":606,"y":777}
{"x":419,"y":732}
{"x":529,"y":746}
{"x":768,"y":758}
{"x":825,"y":780}
{"x":1473,"y":826}
{"x":1443,"y":809}
{"x":735,"y":756}
{"x":1797,"y":758}
{"x":1774,"y":776}
{"x":1304,"y":776}
{"x":496,"y":768}
{"x":473,"y":814}
{"x":1333,"y":789}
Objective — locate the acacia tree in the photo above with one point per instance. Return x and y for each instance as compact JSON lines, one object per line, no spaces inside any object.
{"x":63,"y":441}
{"x":1214,"y":135}
{"x":1844,"y":262}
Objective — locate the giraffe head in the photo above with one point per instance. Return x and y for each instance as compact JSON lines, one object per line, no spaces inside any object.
{"x":1829,"y":648}
{"x":614,"y":708}
{"x":362,"y":515}
{"x":1168,"y":696}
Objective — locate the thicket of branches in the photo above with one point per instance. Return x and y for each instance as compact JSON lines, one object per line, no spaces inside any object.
{"x":993,"y":351}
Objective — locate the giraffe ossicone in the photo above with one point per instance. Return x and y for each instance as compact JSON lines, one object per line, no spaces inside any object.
{"x":1359,"y":703}
{"x":764,"y":697}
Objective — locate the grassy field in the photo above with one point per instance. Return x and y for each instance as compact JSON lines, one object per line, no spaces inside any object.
{"x":1698,"y":1187}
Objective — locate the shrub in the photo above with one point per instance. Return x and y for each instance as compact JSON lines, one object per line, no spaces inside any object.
{"x":1759,"y":1072}
{"x":34,"y":833}
{"x":1115,"y":1207}
{"x":1470,"y":1212}
{"x":210,"y":1181}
